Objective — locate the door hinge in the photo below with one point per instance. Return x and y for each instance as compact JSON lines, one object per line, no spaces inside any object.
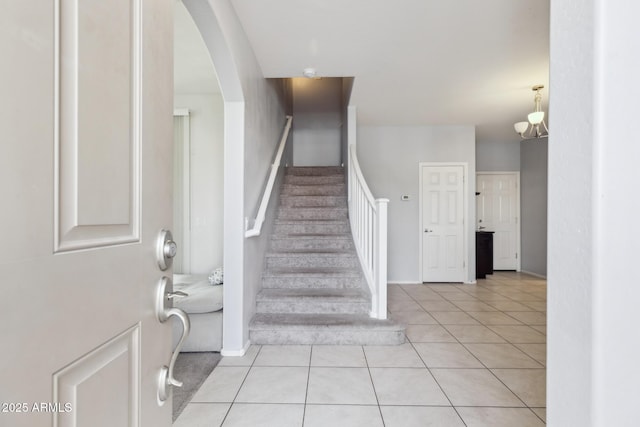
{"x":516,"y":255}
{"x":464,"y":264}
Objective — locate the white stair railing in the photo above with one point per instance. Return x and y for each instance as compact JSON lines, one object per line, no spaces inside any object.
{"x":266,"y":196}
{"x":368,"y":218}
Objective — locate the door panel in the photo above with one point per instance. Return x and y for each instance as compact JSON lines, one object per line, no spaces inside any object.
{"x":98,"y":150}
{"x":100,"y":381}
{"x":442,"y":223}
{"x":82,"y":211}
{"x":497,"y":211}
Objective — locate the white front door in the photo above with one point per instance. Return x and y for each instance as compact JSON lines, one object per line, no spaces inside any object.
{"x":497,"y":211}
{"x":85,"y":159}
{"x":442,"y":223}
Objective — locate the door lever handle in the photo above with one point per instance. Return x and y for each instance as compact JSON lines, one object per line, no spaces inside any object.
{"x":177,"y":294}
{"x":164,"y":311}
{"x":428,"y":231}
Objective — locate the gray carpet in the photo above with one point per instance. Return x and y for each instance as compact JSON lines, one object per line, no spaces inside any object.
{"x":192,"y":369}
{"x":313,"y":287}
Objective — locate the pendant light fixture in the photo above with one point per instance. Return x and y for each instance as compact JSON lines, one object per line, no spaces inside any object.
{"x":535,"y":127}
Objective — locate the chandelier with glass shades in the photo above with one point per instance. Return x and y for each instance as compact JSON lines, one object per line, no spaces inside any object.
{"x":535,"y":127}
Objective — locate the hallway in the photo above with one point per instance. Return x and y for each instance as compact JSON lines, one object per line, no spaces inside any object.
{"x":475,"y":356}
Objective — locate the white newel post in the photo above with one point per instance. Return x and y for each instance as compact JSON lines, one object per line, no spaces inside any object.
{"x":381,"y":258}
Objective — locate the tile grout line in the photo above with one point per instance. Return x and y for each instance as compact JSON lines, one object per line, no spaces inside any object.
{"x":241,"y":384}
{"x":438,"y":383}
{"x":373,"y":385}
{"x":306,"y":391}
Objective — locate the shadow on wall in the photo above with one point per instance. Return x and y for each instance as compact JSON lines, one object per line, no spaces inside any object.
{"x":533,"y":193}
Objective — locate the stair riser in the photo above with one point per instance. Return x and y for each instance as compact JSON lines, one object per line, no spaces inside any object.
{"x":271,"y":282}
{"x":312,"y":261}
{"x":335,"y":228}
{"x":312,"y":201}
{"x":311,"y":214}
{"x":313,"y":190}
{"x":315,"y":171}
{"x":284,"y":245}
{"x":309,"y":306}
{"x":327,"y":337}
{"x":313,"y":180}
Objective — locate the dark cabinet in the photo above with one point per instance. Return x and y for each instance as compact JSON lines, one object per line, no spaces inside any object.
{"x":484,"y":253}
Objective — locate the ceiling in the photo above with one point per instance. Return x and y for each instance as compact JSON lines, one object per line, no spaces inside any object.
{"x":415,"y":62}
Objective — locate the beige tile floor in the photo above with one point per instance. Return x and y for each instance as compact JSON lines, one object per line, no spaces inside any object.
{"x":475,"y":356}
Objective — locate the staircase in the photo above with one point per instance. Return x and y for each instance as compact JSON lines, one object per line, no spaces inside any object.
{"x":313,"y":289}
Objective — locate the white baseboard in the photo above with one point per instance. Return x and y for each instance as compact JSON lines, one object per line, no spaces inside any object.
{"x":236,"y":353}
{"x":403,"y":282}
{"x":530,"y":273}
{"x":472,"y":282}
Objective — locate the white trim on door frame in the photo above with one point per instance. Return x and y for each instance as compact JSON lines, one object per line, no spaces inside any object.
{"x":519,"y":228}
{"x":465,"y":196}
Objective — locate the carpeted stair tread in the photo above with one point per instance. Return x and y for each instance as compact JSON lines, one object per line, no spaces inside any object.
{"x":287,"y":201}
{"x":313,"y":236}
{"x":309,"y":251}
{"x":322,"y":321}
{"x":312,"y":271}
{"x":339,"y":295}
{"x":314,"y":190}
{"x":315,"y":170}
{"x":339,"y":221}
{"x":333,"y":209}
{"x":313,"y":180}
{"x":318,"y":254}
{"x":315,"y":243}
{"x":312,"y":214}
{"x":313,"y":301}
{"x":309,"y":236}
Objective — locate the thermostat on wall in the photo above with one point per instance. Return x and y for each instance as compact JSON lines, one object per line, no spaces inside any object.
{"x":405,"y":197}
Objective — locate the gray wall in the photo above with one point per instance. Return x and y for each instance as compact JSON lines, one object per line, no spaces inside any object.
{"x":389,"y":157}
{"x":498,"y":156}
{"x":533,"y":196}
{"x":317,"y":108}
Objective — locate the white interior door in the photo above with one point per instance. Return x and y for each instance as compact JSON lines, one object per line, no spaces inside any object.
{"x":497,"y":211}
{"x":442,"y":223}
{"x":86,"y":116}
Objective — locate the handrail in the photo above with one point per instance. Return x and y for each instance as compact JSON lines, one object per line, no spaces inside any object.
{"x":368,"y":219}
{"x":266,"y":196}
